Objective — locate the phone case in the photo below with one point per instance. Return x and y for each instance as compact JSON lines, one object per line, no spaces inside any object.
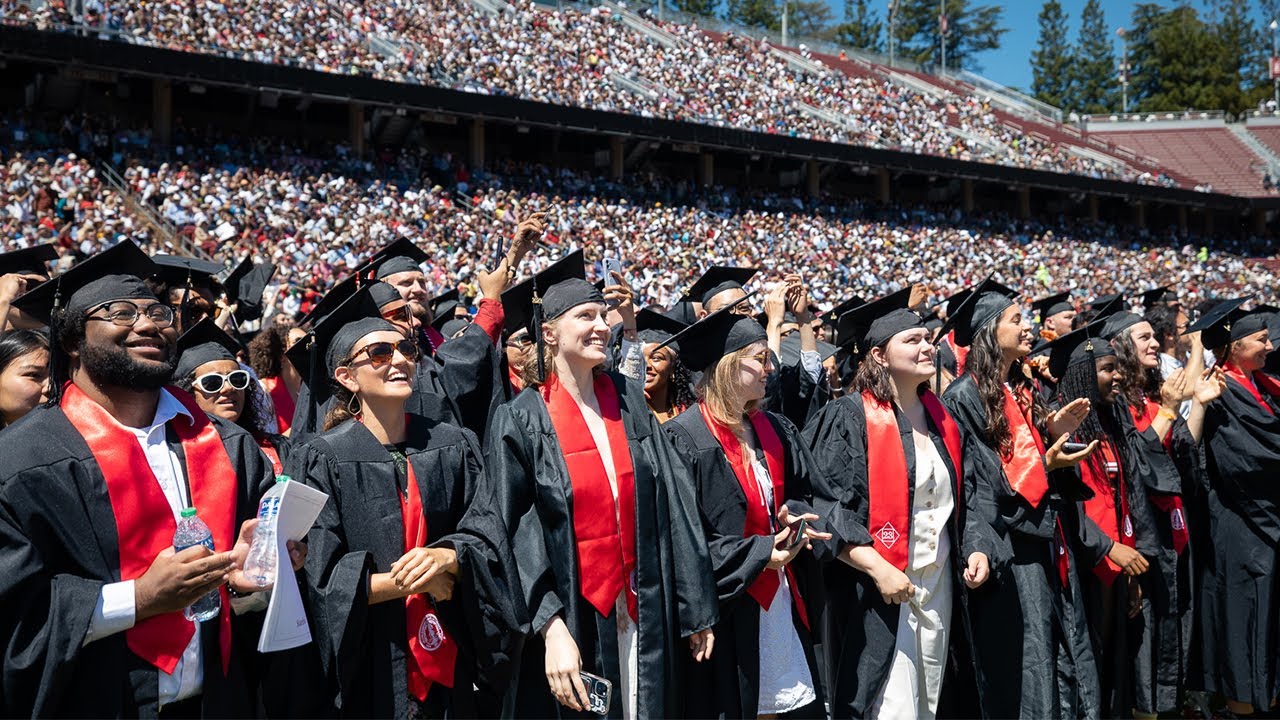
{"x":599,"y":692}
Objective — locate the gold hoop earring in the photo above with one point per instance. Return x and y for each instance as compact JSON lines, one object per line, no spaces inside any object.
{"x":355,"y":411}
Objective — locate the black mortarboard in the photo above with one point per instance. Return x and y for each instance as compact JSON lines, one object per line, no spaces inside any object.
{"x":318,"y":354}
{"x":683,"y":312}
{"x":953,"y":302}
{"x":1114,"y":304}
{"x":245,"y":285}
{"x":204,"y":342}
{"x":453,"y":327}
{"x":654,"y":327}
{"x":722,"y":332}
{"x":873,"y":323}
{"x":1227,"y":322}
{"x":981,"y":307}
{"x":789,"y":350}
{"x":442,"y":307}
{"x":400,"y":256}
{"x":566,"y":295}
{"x":1101,"y":300}
{"x":180,"y":270}
{"x":1084,"y":344}
{"x":1156,"y":295}
{"x":336,"y":295}
{"x":382,"y":293}
{"x":1049,"y":306}
{"x":29,"y":261}
{"x":1117,"y":323}
{"x":716,"y":280}
{"x":832,"y":316}
{"x":518,"y":300}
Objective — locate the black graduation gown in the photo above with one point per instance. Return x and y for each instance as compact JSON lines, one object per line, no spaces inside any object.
{"x":1238,"y":620}
{"x":861,"y":629}
{"x":461,"y":382}
{"x":793,"y":393}
{"x":60,"y":547}
{"x":1048,"y":670}
{"x":359,"y":532}
{"x":729,"y":685}
{"x":677,"y":595}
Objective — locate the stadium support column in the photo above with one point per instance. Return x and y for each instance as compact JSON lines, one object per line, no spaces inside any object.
{"x":1093,"y":208}
{"x":882,"y":186}
{"x":1259,"y":221}
{"x":706,"y":169}
{"x":812,"y":174}
{"x":1182,"y":220}
{"x":476,"y":144}
{"x":1208,"y":222}
{"x":1139,"y":213}
{"x":355,"y":128}
{"x":966,"y":194}
{"x":1024,"y":202}
{"x":162,"y":111}
{"x":616,"y":157}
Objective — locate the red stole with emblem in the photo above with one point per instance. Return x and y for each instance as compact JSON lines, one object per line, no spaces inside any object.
{"x":432,"y":652}
{"x":606,"y":547}
{"x":144,"y":519}
{"x":759,"y":519}
{"x":1103,"y":474}
{"x":888,"y":487}
{"x":1171,"y":505}
{"x":1024,"y":467}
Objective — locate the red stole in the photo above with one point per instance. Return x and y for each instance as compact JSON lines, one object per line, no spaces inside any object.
{"x":888,"y":487}
{"x":144,"y":519}
{"x":1168,"y":504}
{"x":272,"y":454}
{"x":1260,"y":380}
{"x":759,"y":516}
{"x":1104,"y":475}
{"x":432,"y":652}
{"x":606,"y":550}
{"x":282,"y":401}
{"x":961,"y":353}
{"x":1024,"y":468}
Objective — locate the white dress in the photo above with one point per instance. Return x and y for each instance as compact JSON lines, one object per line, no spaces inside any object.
{"x":924,"y":622}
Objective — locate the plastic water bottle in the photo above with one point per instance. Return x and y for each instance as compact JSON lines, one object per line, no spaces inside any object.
{"x":260,"y":566}
{"x":191,"y":532}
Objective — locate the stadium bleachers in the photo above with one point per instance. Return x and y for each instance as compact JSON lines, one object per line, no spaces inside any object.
{"x":1211,"y":154}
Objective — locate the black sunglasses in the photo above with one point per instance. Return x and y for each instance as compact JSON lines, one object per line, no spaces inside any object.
{"x":382,"y":353}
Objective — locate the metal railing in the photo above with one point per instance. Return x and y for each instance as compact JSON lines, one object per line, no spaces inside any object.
{"x":1012,"y":96}
{"x":160,"y":225}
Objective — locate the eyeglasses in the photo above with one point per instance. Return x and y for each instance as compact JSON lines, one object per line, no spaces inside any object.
{"x":211,"y":383}
{"x":520,"y":342}
{"x":382,"y":353}
{"x":125,"y":313}
{"x":402,"y":314}
{"x":762,"y":358}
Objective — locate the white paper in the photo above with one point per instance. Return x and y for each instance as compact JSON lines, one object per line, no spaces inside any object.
{"x":286,"y":624}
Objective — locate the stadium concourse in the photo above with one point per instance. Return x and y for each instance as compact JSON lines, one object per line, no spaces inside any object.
{"x":319,"y":216}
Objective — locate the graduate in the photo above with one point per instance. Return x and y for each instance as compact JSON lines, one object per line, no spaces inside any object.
{"x":24,"y":374}
{"x":1238,"y":602}
{"x":1164,"y":456}
{"x":398,"y":572}
{"x":615,"y":572}
{"x":188,"y":285}
{"x":91,"y":487}
{"x":1031,"y":643}
{"x":752,"y":475}
{"x":668,"y":384}
{"x":895,"y":499}
{"x":21,"y":270}
{"x":1056,"y":315}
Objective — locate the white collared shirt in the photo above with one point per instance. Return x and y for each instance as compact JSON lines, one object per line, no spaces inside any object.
{"x":116,"y":609}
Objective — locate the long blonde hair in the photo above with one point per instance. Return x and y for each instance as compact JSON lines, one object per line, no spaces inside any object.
{"x":720,"y":388}
{"x":528,"y":371}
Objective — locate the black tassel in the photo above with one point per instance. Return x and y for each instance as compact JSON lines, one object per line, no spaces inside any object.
{"x":537,"y":330}
{"x":57,"y":355}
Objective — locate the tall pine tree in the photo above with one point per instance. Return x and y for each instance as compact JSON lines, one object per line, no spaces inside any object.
{"x":1094,"y":81}
{"x":861,"y":27}
{"x":1193,"y":63}
{"x":973,"y":29}
{"x":1051,"y":60}
{"x":1145,"y":73}
{"x":754,"y":13}
{"x":705,"y":8}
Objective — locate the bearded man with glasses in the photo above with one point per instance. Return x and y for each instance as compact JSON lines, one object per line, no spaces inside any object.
{"x":91,"y":486}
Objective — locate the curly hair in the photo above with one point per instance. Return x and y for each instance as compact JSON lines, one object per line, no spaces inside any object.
{"x":983,"y":364}
{"x":266,"y":351}
{"x":1164,"y":322}
{"x":250,"y":418}
{"x":1137,"y":382}
{"x":1103,"y":421}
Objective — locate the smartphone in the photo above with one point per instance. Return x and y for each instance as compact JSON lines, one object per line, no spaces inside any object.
{"x":1073,"y":447}
{"x":797,"y":534}
{"x":599,"y":693}
{"x":612,"y":265}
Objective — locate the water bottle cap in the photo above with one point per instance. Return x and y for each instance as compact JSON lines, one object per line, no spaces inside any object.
{"x":188,"y":512}
{"x":282,"y":478}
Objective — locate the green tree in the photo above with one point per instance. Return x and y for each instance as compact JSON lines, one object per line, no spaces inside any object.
{"x":861,"y":27}
{"x":1051,"y":61}
{"x":706,"y":8}
{"x":808,"y":18}
{"x":1144,"y":74}
{"x":972,"y":30}
{"x":754,"y":13}
{"x":1194,"y":65}
{"x":1094,"y":82}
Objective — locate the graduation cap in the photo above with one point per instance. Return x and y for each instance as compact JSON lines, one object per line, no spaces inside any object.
{"x":400,"y":256}
{"x":716,"y":280}
{"x":1116,"y":323}
{"x":1049,"y":306}
{"x":546,"y":296}
{"x":29,"y":261}
{"x":872,"y":324}
{"x":205,"y":342}
{"x":453,"y":327}
{"x":176,"y":270}
{"x":442,"y":308}
{"x":113,"y":274}
{"x":245,"y":285}
{"x":1113,"y":305}
{"x":654,"y":327}
{"x":1102,"y":300}
{"x":982,"y":305}
{"x":1156,"y":295}
{"x":318,"y":354}
{"x":1083,"y":344}
{"x":1227,"y":322}
{"x":953,"y":302}
{"x":703,"y":343}
{"x":832,"y":316}
{"x":789,"y":350}
{"x":683,"y":312}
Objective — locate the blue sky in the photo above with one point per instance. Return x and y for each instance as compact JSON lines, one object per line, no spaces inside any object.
{"x":1011,"y":64}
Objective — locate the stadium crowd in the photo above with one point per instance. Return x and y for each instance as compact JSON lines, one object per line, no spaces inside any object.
{"x":581,"y":57}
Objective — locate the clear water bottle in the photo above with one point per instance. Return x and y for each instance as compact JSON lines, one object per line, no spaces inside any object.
{"x":191,"y":532}
{"x":260,"y":566}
